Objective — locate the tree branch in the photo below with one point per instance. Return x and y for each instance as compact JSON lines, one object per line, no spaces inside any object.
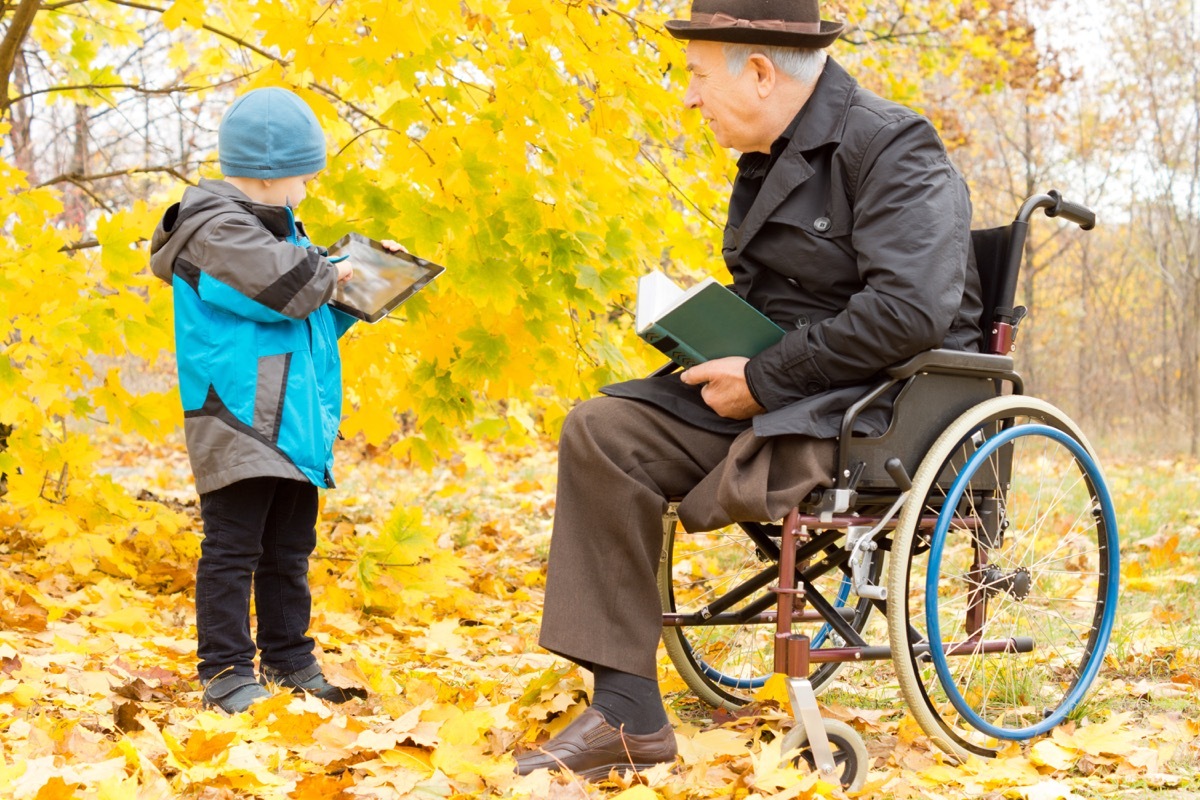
{"x":217,"y":31}
{"x":380,"y":124}
{"x":77,"y":179}
{"x":658,"y":168}
{"x":95,"y":87}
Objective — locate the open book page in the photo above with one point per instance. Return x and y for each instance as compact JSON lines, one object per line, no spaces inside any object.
{"x":658,"y":295}
{"x":707,"y":321}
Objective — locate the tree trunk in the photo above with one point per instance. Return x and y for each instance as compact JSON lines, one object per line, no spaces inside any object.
{"x":10,"y":45}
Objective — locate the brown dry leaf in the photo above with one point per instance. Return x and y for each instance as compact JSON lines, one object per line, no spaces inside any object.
{"x":136,"y":689}
{"x":125,"y":715}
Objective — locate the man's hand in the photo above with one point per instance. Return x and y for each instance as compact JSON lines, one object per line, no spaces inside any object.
{"x":725,"y":390}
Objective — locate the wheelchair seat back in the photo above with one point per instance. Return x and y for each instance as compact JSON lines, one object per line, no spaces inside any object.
{"x":935,"y":387}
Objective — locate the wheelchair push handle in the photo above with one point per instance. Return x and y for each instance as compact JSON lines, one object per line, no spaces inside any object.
{"x":1058,"y":206}
{"x":1081,"y":215}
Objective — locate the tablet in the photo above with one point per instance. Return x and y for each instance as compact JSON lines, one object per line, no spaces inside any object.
{"x":382,"y":279}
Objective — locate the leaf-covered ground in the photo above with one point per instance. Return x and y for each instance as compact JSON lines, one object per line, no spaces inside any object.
{"x":428,"y":590}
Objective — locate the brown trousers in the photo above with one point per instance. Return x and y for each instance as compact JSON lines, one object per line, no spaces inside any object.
{"x":619,"y":462}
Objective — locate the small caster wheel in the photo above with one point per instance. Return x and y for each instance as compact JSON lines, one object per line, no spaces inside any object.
{"x":849,"y":753}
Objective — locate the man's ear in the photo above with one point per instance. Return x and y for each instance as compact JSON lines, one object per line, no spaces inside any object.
{"x":764,"y":73}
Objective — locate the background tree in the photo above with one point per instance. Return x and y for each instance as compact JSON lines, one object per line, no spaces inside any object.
{"x":1160,"y":87}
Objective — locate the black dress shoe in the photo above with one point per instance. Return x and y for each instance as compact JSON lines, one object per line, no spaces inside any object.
{"x":591,"y":748}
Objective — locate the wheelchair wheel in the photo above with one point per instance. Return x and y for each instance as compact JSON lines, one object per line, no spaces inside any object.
{"x":724,"y":664}
{"x":1004,"y":575}
{"x":850,"y":758}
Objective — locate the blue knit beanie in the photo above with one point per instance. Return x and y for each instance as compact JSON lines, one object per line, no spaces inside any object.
{"x":270,"y":133}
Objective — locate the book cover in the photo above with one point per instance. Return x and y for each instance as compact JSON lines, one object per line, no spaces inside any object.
{"x":705,"y":322}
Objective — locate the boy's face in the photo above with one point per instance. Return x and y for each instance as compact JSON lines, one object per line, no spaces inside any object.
{"x":289,"y":191}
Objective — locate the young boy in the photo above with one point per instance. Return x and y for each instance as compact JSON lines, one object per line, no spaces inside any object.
{"x":260,"y":380}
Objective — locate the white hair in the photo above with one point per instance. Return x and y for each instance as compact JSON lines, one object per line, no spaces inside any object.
{"x":801,"y":63}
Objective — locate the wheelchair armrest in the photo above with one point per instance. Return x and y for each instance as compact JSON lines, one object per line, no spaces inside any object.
{"x":953,"y":362}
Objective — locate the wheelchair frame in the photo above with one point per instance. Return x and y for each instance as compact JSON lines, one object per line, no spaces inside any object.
{"x":940,"y":477}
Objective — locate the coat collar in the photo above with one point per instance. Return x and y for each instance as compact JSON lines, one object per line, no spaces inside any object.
{"x":273,"y":218}
{"x":821,"y":121}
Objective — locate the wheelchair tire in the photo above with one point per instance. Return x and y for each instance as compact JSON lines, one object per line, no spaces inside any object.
{"x":1024,"y":550}
{"x":726,"y":664}
{"x":851,"y":762}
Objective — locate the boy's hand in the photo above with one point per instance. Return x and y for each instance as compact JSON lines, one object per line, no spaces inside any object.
{"x":345,"y":270}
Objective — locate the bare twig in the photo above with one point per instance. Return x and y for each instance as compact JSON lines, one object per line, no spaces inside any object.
{"x":96,"y":87}
{"x":676,"y":188}
{"x":85,"y":244}
{"x":77,"y":179}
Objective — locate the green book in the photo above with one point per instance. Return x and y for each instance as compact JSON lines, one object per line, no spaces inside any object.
{"x":704,"y":322}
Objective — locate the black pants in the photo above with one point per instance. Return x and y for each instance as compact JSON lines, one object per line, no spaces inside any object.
{"x":257,"y":532}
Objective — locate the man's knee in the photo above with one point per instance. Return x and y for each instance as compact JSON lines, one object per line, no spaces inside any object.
{"x":600,"y":419}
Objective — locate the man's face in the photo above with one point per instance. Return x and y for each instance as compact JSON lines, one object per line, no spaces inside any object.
{"x":730,"y":104}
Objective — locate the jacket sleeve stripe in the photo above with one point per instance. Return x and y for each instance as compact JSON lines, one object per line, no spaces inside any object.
{"x":295,"y":293}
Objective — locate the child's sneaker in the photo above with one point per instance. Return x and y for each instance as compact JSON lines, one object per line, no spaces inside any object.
{"x":310,"y":679}
{"x":233,"y":693}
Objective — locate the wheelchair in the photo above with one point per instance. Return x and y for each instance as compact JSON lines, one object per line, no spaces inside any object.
{"x":979,"y":525}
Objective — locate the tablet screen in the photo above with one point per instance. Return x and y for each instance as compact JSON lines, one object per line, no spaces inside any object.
{"x":382,"y":279}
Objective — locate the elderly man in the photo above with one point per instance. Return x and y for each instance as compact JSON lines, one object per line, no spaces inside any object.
{"x":849,"y":227}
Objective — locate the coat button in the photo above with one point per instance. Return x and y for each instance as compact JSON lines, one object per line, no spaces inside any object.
{"x":794,"y":282}
{"x":822,"y":224}
{"x":802,"y":321}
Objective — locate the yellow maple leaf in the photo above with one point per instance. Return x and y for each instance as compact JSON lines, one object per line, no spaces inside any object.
{"x":706,"y":746}
{"x":323,"y":787}
{"x":201,"y":747}
{"x":1113,"y":737}
{"x":466,"y":728}
{"x":638,"y":792}
{"x":775,"y":689}
{"x":1049,"y":753}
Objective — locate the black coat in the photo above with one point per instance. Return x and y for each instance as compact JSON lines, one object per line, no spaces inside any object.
{"x":857,"y":244}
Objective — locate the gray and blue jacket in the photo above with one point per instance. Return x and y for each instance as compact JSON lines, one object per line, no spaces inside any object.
{"x":260,"y":376}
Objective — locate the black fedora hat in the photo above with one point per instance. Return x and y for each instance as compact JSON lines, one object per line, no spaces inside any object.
{"x":774,"y":23}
